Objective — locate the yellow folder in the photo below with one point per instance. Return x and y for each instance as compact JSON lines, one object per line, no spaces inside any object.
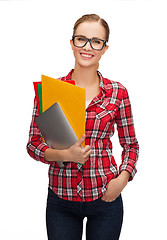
{"x":71,"y":99}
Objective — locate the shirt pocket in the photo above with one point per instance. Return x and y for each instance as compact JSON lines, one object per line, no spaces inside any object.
{"x":106,"y":111}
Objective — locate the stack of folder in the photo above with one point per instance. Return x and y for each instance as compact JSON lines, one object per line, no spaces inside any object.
{"x":66,"y":98}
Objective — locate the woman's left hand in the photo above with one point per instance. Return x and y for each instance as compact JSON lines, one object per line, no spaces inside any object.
{"x":115,"y":187}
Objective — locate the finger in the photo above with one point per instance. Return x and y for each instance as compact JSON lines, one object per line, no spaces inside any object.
{"x":104,"y":199}
{"x":107,"y":199}
{"x":86,"y":148}
{"x":89,"y":152}
{"x":86,"y":154}
{"x":80,"y":141}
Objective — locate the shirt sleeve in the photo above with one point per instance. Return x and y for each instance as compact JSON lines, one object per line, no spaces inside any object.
{"x":127,"y":137}
{"x":36,"y":146}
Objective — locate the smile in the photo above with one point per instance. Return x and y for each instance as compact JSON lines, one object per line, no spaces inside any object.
{"x":86,"y":55}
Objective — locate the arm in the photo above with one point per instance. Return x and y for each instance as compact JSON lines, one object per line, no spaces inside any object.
{"x":40,"y":151}
{"x":35,"y":146}
{"x":128,"y":141}
{"x":127,"y":136}
{"x":75,"y":153}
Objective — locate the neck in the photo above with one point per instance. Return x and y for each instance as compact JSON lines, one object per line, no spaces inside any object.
{"x":85,"y":77}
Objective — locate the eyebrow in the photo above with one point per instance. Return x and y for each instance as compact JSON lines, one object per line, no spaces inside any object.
{"x":90,"y":38}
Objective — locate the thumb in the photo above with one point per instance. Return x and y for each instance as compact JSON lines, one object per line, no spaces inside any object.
{"x":80,"y":141}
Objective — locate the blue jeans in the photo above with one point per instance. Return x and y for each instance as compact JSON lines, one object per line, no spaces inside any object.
{"x":64,"y":219}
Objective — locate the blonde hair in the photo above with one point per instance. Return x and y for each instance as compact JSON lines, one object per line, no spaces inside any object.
{"x":93,"y":18}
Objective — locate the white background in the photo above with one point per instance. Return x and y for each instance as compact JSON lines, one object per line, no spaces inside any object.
{"x":34,"y":40}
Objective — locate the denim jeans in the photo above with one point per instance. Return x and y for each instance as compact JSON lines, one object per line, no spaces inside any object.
{"x":64,"y":219}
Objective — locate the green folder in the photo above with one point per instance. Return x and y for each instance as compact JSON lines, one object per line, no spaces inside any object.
{"x":39,"y":86}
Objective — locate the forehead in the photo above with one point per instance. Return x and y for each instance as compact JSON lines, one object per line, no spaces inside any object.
{"x":91,"y":29}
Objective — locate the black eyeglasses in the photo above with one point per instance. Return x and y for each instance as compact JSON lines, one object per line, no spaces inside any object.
{"x":96,"y":43}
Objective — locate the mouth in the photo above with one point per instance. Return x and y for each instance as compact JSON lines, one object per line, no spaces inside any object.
{"x":86,"y":55}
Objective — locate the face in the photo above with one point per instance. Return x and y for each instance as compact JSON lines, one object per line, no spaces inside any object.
{"x":87,"y":56}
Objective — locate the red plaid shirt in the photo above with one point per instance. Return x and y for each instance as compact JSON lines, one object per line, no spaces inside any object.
{"x":88,"y":182}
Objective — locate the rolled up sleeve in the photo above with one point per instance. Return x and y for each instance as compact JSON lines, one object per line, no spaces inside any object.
{"x":36,"y":146}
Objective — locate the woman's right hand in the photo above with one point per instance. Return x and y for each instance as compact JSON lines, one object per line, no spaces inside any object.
{"x":78,"y":154}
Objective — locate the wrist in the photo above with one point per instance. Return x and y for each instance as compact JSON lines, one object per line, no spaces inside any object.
{"x":65,"y":155}
{"x":124,"y":177}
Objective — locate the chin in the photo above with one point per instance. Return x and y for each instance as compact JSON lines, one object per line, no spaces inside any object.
{"x":87,"y":64}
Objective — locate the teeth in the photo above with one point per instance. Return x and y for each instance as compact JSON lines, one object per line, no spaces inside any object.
{"x":85,"y":55}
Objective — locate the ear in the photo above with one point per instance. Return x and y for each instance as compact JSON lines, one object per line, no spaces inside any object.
{"x":105,"y":48}
{"x":71,"y":43}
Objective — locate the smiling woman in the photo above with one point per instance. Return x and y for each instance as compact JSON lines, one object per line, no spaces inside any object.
{"x":89,"y":43}
{"x":94,"y":189}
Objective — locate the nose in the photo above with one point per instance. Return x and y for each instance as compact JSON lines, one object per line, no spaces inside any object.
{"x":88,"y":46}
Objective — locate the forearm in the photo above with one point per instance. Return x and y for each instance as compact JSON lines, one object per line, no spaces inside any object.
{"x":52,"y":155}
{"x":75,"y":153}
{"x":124,"y":177}
{"x":129,"y":158}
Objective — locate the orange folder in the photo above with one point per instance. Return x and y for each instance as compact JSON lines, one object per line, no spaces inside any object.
{"x":71,"y":99}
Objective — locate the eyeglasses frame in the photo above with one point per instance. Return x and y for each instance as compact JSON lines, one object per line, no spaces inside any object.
{"x":89,"y":40}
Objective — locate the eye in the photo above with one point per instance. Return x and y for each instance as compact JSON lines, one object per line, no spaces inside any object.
{"x":97,"y":41}
{"x":81,"y":39}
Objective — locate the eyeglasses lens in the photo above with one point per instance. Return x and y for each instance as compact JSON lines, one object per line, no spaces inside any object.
{"x":79,"y":41}
{"x":96,"y":44}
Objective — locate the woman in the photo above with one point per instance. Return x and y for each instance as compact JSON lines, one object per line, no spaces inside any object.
{"x":92,"y":190}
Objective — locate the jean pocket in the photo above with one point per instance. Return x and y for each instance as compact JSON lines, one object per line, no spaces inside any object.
{"x":117,"y":200}
{"x":52,"y":194}
{"x":105,"y":201}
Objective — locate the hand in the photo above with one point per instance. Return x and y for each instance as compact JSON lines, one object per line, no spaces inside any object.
{"x":115,"y":187}
{"x":78,"y":154}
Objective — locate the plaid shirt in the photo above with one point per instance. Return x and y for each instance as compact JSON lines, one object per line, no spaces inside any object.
{"x":88,"y":182}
